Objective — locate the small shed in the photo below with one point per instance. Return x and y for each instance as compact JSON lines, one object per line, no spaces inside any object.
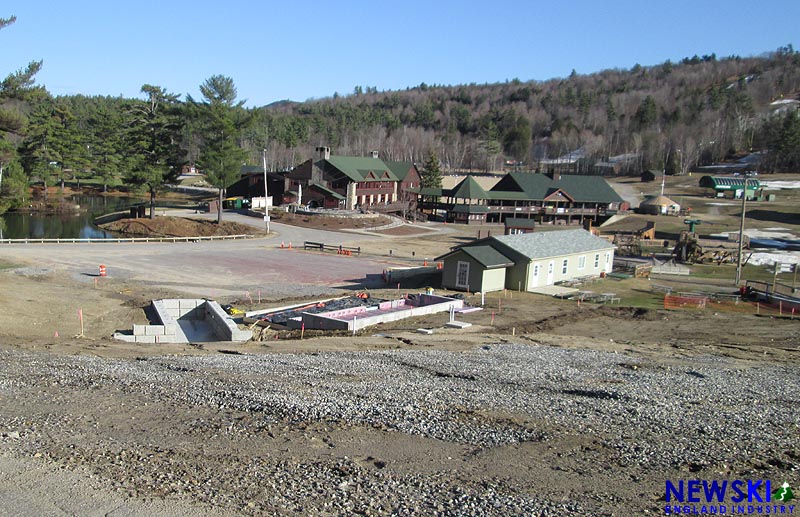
{"x":515,"y":225}
{"x":652,"y":175}
{"x":659,"y":205}
{"x":478,"y":268}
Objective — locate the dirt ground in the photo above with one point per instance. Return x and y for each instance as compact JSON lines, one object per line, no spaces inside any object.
{"x":120,"y":448}
{"x":176,"y":227}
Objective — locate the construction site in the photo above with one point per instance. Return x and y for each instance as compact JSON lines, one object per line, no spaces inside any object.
{"x":355,"y":395}
{"x":352,"y":313}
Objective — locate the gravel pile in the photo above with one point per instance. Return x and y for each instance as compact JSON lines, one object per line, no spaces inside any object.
{"x":652,"y":417}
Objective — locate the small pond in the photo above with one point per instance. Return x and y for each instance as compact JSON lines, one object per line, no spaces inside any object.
{"x":69,"y":225}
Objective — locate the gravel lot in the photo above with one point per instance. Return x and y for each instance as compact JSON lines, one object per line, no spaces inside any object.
{"x":503,"y":429}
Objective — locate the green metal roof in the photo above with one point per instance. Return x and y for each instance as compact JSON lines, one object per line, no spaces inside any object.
{"x":519,"y":222}
{"x":729,"y":183}
{"x":470,"y":209}
{"x":358,"y":168}
{"x":325,"y":190}
{"x":484,"y":255}
{"x":400,"y":169}
{"x":430,"y":191}
{"x":538,"y":186}
{"x":468,"y":189}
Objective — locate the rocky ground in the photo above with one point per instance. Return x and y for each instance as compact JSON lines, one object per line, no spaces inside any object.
{"x":501,"y":429}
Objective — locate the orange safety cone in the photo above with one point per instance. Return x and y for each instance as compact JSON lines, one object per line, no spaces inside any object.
{"x":102,"y":270}
{"x":290,"y":245}
{"x":282,"y":245}
{"x":56,"y":334}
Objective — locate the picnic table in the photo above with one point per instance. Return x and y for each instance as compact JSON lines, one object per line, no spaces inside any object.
{"x":607,"y":298}
{"x":582,"y":295}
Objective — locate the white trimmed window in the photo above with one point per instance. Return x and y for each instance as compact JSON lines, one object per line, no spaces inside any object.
{"x":462,"y":275}
{"x":596,"y":260}
{"x":564,"y":266}
{"x":582,"y":262}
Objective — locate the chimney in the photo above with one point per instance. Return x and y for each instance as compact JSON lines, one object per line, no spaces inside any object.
{"x":324,"y":153}
{"x":554,"y":175}
{"x":374,"y":154}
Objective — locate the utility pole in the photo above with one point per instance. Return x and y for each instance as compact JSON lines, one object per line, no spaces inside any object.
{"x":266,"y":203}
{"x":741,"y":235}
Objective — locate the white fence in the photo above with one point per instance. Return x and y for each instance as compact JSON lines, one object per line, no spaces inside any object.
{"x":32,"y":240}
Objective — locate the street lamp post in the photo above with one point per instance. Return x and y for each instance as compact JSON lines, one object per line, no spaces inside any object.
{"x":266,"y":202}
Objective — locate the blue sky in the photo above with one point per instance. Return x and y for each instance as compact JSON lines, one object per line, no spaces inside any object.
{"x":305,"y":49}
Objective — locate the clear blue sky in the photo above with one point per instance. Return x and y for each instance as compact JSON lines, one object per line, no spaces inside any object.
{"x":304,"y":49}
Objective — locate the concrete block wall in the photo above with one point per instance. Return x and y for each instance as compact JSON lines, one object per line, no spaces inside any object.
{"x":223,"y":325}
{"x":169,"y":311}
{"x":155,"y":334}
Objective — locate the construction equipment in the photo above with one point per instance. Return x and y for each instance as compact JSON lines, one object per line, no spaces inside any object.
{"x":691,"y":248}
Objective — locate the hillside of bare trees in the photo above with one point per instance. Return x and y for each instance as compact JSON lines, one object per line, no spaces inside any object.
{"x":700,"y":110}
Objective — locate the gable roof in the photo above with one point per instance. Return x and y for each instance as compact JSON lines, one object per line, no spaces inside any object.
{"x":468,"y":189}
{"x":400,"y":169}
{"x":520,"y":222}
{"x":553,"y":244}
{"x":539,"y":186}
{"x":484,"y":255}
{"x":358,"y":168}
{"x":659,"y":201}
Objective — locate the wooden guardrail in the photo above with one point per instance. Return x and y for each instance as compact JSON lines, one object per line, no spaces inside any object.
{"x":32,"y":240}
{"x":341,"y":250}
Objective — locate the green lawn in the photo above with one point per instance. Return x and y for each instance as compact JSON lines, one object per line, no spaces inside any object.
{"x":728,"y":272}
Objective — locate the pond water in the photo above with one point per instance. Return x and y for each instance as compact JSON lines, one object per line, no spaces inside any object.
{"x":65,"y":225}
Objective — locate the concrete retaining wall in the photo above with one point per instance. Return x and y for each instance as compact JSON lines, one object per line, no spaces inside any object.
{"x":169,"y":311}
{"x":223,"y":325}
{"x":393,"y":274}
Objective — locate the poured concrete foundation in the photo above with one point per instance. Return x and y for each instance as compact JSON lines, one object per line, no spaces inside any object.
{"x":356,"y":318}
{"x":187,"y":321}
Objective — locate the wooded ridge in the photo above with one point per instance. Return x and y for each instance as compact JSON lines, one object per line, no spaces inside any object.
{"x":701,"y":110}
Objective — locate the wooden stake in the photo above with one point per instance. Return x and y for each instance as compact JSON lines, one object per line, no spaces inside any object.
{"x":302,"y":330}
{"x":80,"y":317}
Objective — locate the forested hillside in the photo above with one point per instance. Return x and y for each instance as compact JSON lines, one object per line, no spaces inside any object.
{"x":701,"y":109}
{"x":673,"y":115}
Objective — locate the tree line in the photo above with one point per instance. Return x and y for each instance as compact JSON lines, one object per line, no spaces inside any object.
{"x":700,"y":110}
